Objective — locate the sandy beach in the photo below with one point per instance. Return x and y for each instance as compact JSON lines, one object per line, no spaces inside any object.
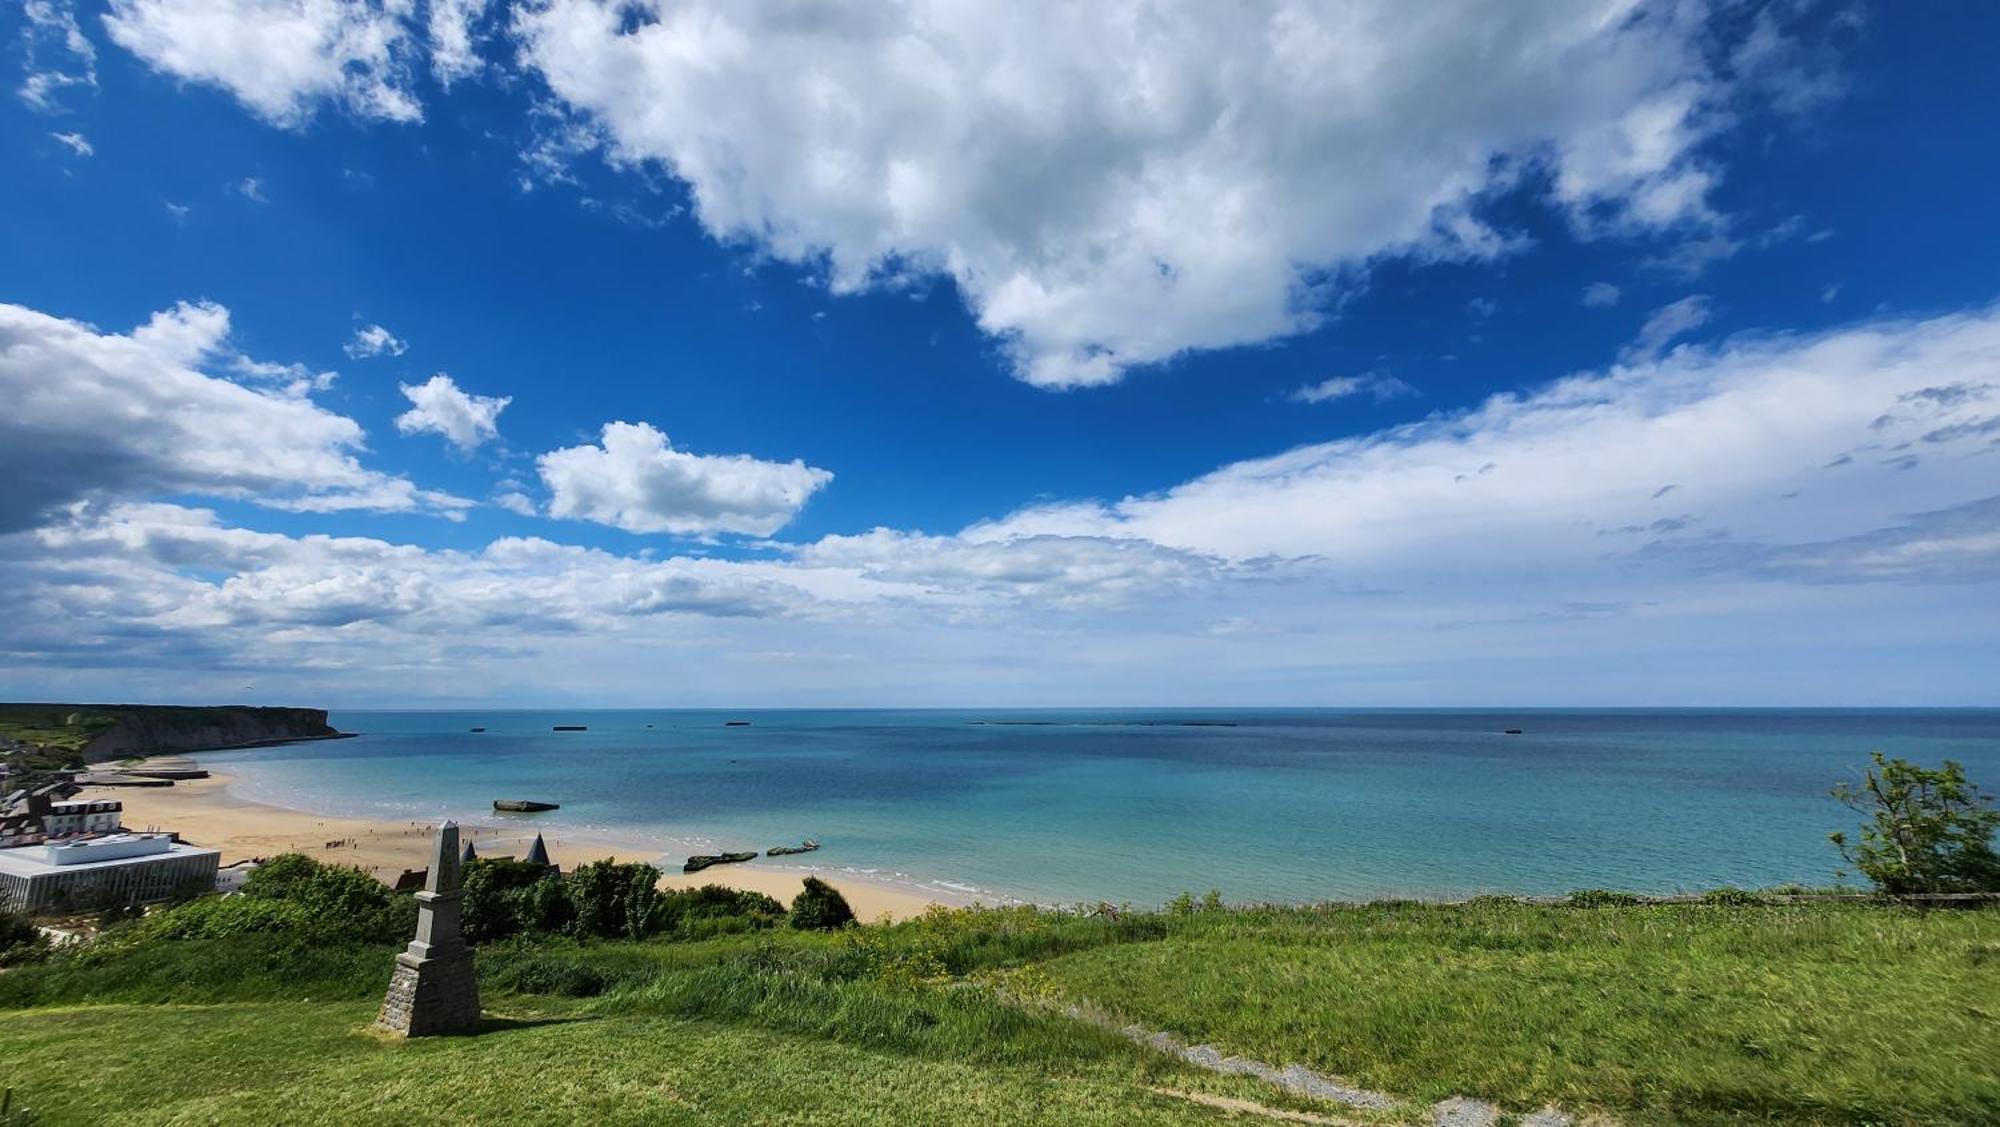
{"x":204,"y":813}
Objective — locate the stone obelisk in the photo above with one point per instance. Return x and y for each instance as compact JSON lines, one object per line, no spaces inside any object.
{"x":434,"y":990}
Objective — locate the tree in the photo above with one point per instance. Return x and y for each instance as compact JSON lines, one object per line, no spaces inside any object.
{"x":820,"y":907}
{"x":1929,"y":831}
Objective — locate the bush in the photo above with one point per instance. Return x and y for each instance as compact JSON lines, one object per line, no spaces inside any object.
{"x":503,"y":898}
{"x":603,"y":900}
{"x":1600,"y":898}
{"x":612,"y":900}
{"x":820,"y":907}
{"x":1731,"y":897}
{"x":289,"y":894}
{"x":1929,"y":831}
{"x":20,"y":940}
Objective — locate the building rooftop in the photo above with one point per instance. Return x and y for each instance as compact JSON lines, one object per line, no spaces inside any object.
{"x":32,"y":860}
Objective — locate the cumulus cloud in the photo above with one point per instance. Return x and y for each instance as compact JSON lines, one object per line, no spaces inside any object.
{"x":94,"y":415}
{"x":56,"y":55}
{"x":280,"y":58}
{"x":1526,"y":540}
{"x":1112,"y":184}
{"x":1378,"y":387}
{"x":636,"y":481}
{"x":439,"y":407}
{"x":374,"y":340}
{"x":251,"y":188}
{"x":1601,"y":295}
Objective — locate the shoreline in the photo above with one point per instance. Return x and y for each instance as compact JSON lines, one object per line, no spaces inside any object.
{"x":205,"y":813}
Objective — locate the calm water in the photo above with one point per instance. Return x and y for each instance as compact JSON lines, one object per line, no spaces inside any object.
{"x":1138,"y":806}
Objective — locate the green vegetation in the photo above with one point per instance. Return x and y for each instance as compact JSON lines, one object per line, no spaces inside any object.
{"x":602,"y":900}
{"x":1664,"y":1013}
{"x":1685,"y":1013}
{"x":820,"y":907}
{"x":56,"y":728}
{"x":20,"y":940}
{"x":1928,"y":831}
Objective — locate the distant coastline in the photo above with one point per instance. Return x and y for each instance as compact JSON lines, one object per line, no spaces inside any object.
{"x":98,"y":733}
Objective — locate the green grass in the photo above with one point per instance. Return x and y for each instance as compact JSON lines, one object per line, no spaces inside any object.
{"x":1680,"y":1014}
{"x":1652,"y":1014}
{"x":55,"y":727}
{"x":298,"y":1063}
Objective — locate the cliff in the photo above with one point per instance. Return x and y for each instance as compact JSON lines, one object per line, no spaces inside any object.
{"x":117,"y":731}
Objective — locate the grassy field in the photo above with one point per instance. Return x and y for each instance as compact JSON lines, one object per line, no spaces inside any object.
{"x":1823,"y":1014}
{"x":1672,"y":1014}
{"x":59,"y":727}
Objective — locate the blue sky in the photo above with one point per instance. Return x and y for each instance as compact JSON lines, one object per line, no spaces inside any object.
{"x":1295,"y":354}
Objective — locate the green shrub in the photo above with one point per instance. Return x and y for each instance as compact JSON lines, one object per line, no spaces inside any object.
{"x":502,"y":899}
{"x":290,"y":894}
{"x":20,"y":940}
{"x":1928,"y":831}
{"x":1600,"y":898}
{"x":612,"y":900}
{"x":820,"y":907}
{"x":695,"y":913}
{"x":1732,"y":897}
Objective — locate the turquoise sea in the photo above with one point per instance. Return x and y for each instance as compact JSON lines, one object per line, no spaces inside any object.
{"x":1060,"y":806}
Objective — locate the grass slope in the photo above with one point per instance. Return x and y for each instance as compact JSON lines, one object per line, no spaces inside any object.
{"x":1681,"y":1014}
{"x":1820,"y":1014}
{"x":317,"y":1063}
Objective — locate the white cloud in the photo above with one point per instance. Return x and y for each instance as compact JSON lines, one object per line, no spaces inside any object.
{"x":1058,"y":571}
{"x":56,"y":55}
{"x":374,"y":340}
{"x":1675,"y":319}
{"x":1113,"y":184}
{"x":93,"y":415}
{"x":280,"y":58}
{"x":637,"y":482}
{"x":179,"y":212}
{"x":1692,"y":528}
{"x":454,"y":54}
{"x":439,"y":407}
{"x":1601,"y":295}
{"x":1787,"y":439}
{"x":516,"y":502}
{"x":75,"y":142}
{"x":251,"y":188}
{"x":1378,"y":387}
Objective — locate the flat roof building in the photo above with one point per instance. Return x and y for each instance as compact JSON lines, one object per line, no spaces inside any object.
{"x":121,"y":868}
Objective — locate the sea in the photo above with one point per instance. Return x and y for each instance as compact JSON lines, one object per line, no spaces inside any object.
{"x":1137,"y":806}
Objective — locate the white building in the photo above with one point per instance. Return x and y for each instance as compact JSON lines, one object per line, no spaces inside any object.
{"x":100,"y":817}
{"x":125,"y":868}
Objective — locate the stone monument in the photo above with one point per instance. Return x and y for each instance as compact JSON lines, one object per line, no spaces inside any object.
{"x":434,"y":990}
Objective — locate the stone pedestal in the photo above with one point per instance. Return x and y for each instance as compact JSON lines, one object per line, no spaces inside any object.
{"x":434,"y":989}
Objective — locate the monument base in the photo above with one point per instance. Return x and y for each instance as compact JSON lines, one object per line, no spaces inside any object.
{"x":431,"y":995}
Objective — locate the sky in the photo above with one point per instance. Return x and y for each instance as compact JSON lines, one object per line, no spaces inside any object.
{"x":439,"y":353}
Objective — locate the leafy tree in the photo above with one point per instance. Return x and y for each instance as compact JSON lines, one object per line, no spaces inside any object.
{"x":820,"y":907}
{"x":1928,"y":831}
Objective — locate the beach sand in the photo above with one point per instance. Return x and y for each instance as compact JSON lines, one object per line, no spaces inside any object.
{"x":204,"y":813}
